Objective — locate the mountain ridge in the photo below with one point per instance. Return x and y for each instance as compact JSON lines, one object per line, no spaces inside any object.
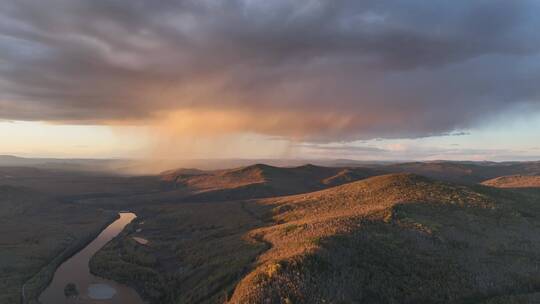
{"x":377,"y":239}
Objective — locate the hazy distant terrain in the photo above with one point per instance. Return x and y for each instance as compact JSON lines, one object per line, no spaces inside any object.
{"x":433,"y":232}
{"x":465,"y":172}
{"x":156,"y":166}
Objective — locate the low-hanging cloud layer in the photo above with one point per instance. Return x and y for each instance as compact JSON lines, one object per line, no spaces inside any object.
{"x":313,"y":70}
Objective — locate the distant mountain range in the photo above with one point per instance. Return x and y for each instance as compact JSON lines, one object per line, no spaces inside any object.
{"x":260,"y":180}
{"x":459,"y":171}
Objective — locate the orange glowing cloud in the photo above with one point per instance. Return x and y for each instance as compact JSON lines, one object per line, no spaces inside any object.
{"x":208,"y":122}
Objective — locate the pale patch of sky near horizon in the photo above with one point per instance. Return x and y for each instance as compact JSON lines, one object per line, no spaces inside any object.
{"x":496,"y":140}
{"x":40,"y":139}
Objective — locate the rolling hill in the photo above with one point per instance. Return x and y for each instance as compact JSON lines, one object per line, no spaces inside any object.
{"x":514,"y":181}
{"x":463,"y":172}
{"x":397,"y":238}
{"x":259,"y":181}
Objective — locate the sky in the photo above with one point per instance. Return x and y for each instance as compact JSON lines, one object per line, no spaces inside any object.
{"x":368,"y":80}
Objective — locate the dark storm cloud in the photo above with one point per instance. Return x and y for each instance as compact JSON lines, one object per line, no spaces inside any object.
{"x":336,"y":70}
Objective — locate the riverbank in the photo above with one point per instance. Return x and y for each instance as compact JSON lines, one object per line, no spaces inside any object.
{"x":75,"y":272}
{"x":39,"y":282}
{"x":196,"y":252}
{"x":110,"y":263}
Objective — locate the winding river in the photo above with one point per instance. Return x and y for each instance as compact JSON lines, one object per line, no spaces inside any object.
{"x":91,"y":289}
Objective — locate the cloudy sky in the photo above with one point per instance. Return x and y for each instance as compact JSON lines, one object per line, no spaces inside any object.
{"x":371,"y":79}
